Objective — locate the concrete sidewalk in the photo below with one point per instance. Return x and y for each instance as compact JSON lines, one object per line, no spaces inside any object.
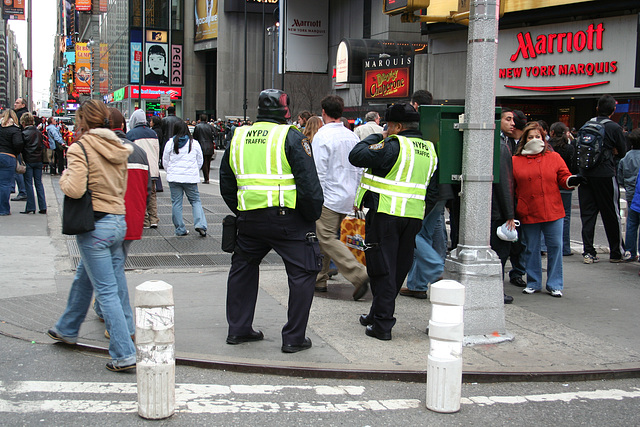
{"x":591,"y":332}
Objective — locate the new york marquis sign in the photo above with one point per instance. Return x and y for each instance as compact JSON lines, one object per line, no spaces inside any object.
{"x":583,"y":57}
{"x":387,"y":79}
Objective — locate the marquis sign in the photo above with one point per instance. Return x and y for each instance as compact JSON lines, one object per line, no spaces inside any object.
{"x":387,"y":79}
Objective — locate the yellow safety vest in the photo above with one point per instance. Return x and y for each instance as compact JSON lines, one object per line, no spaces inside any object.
{"x":262,"y":171}
{"x":403,"y":190}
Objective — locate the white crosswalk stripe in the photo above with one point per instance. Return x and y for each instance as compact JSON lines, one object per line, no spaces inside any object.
{"x":191,"y":398}
{"x":31,"y":396}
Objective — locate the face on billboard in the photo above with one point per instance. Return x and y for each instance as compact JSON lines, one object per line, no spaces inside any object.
{"x":156,"y":65}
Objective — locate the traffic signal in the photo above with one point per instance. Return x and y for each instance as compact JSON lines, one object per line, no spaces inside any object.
{"x":397,"y":7}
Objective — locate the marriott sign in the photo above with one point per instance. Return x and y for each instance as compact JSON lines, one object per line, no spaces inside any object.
{"x":583,"y":57}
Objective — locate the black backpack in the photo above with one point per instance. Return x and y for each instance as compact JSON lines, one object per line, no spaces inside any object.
{"x":590,"y":144}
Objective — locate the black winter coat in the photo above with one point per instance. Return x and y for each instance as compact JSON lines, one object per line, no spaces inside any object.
{"x":203,"y":133}
{"x":33,"y":146}
{"x":11,"y":139}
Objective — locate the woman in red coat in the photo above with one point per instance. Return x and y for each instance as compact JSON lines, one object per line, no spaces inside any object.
{"x":537,"y":173}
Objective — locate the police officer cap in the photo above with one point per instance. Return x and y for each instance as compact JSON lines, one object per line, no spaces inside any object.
{"x":401,"y":113}
{"x":273,"y":104}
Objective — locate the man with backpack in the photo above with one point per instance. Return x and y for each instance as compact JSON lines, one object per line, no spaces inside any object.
{"x":600,"y":141}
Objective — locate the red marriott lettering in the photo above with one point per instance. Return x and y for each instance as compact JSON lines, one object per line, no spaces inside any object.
{"x":546,"y":43}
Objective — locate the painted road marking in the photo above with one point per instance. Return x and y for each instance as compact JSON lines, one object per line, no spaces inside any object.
{"x":199,"y":398}
{"x":206,"y":406}
{"x":613,"y":394}
{"x":181,"y":389}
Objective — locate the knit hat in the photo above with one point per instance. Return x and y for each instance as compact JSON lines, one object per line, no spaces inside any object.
{"x":519,"y":119}
{"x":401,"y":113}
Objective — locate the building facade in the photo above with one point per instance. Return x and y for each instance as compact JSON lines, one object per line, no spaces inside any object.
{"x":212,"y":57}
{"x":13,"y":82}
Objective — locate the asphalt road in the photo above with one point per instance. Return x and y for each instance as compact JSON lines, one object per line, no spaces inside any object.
{"x":52,"y":384}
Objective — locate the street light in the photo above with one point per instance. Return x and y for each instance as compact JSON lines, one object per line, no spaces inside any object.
{"x":273,"y":31}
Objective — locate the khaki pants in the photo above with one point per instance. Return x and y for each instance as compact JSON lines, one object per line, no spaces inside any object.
{"x":152,"y":207}
{"x":327,"y":229}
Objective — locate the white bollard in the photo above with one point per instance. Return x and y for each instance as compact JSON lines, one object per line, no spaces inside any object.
{"x":446,"y":332}
{"x":156,"y":362}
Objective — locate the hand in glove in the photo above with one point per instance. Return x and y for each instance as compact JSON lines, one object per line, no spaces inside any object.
{"x":575,"y":180}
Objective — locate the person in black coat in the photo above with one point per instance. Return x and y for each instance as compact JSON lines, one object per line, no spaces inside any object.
{"x":203,"y":133}
{"x":32,"y":155}
{"x":10,"y":147}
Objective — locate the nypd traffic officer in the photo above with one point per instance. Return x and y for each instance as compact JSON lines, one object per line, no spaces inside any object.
{"x":399,"y":167}
{"x":269,"y":180}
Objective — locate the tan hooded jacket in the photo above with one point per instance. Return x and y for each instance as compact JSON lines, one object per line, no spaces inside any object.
{"x":107,"y":170}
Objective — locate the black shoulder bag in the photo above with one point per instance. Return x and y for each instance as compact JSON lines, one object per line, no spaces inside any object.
{"x":77,"y":214}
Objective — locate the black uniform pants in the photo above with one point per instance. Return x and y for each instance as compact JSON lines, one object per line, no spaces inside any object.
{"x":259,"y":231}
{"x":390,"y":243}
{"x":600,"y":195}
{"x":58,"y":160}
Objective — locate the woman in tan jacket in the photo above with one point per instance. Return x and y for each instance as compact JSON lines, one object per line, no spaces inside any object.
{"x":101,"y":269}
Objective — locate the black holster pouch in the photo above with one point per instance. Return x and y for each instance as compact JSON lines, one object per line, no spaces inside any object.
{"x":229,"y":233}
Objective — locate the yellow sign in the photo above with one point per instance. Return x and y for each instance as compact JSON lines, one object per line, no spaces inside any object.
{"x":206,"y":16}
{"x":83,"y":68}
{"x":444,"y":7}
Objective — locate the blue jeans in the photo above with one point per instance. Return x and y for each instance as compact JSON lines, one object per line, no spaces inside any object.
{"x":552,"y":232}
{"x":430,"y":251}
{"x":7,"y":172}
{"x":33,"y":175}
{"x":191,"y":190}
{"x":101,"y":269}
{"x":631,"y":237}
{"x":19,"y":180}
{"x":566,"y":223}
{"x":123,"y":293}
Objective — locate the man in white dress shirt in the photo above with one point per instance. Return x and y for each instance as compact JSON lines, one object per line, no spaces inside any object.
{"x":339,"y":180}
{"x":372,"y":125}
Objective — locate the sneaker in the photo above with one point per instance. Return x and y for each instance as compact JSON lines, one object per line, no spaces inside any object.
{"x":153,"y":226}
{"x":590,"y":259}
{"x":57,"y":336}
{"x":627,"y":257}
{"x":115,"y":368}
{"x":530,"y":291}
{"x":202,"y":232}
{"x":556,"y":293}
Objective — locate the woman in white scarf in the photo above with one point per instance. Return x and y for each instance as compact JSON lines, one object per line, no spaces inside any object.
{"x":537,"y":173}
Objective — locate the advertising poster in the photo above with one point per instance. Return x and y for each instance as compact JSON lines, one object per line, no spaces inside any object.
{"x":104,"y":6}
{"x":104,"y":68}
{"x":83,"y":68}
{"x":83,"y":5}
{"x":206,"y":14}
{"x":135,"y":65}
{"x":306,"y":36}
{"x":156,"y":64}
{"x":13,"y":9}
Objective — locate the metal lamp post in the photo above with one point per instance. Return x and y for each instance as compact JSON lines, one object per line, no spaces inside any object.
{"x":473,"y":263}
